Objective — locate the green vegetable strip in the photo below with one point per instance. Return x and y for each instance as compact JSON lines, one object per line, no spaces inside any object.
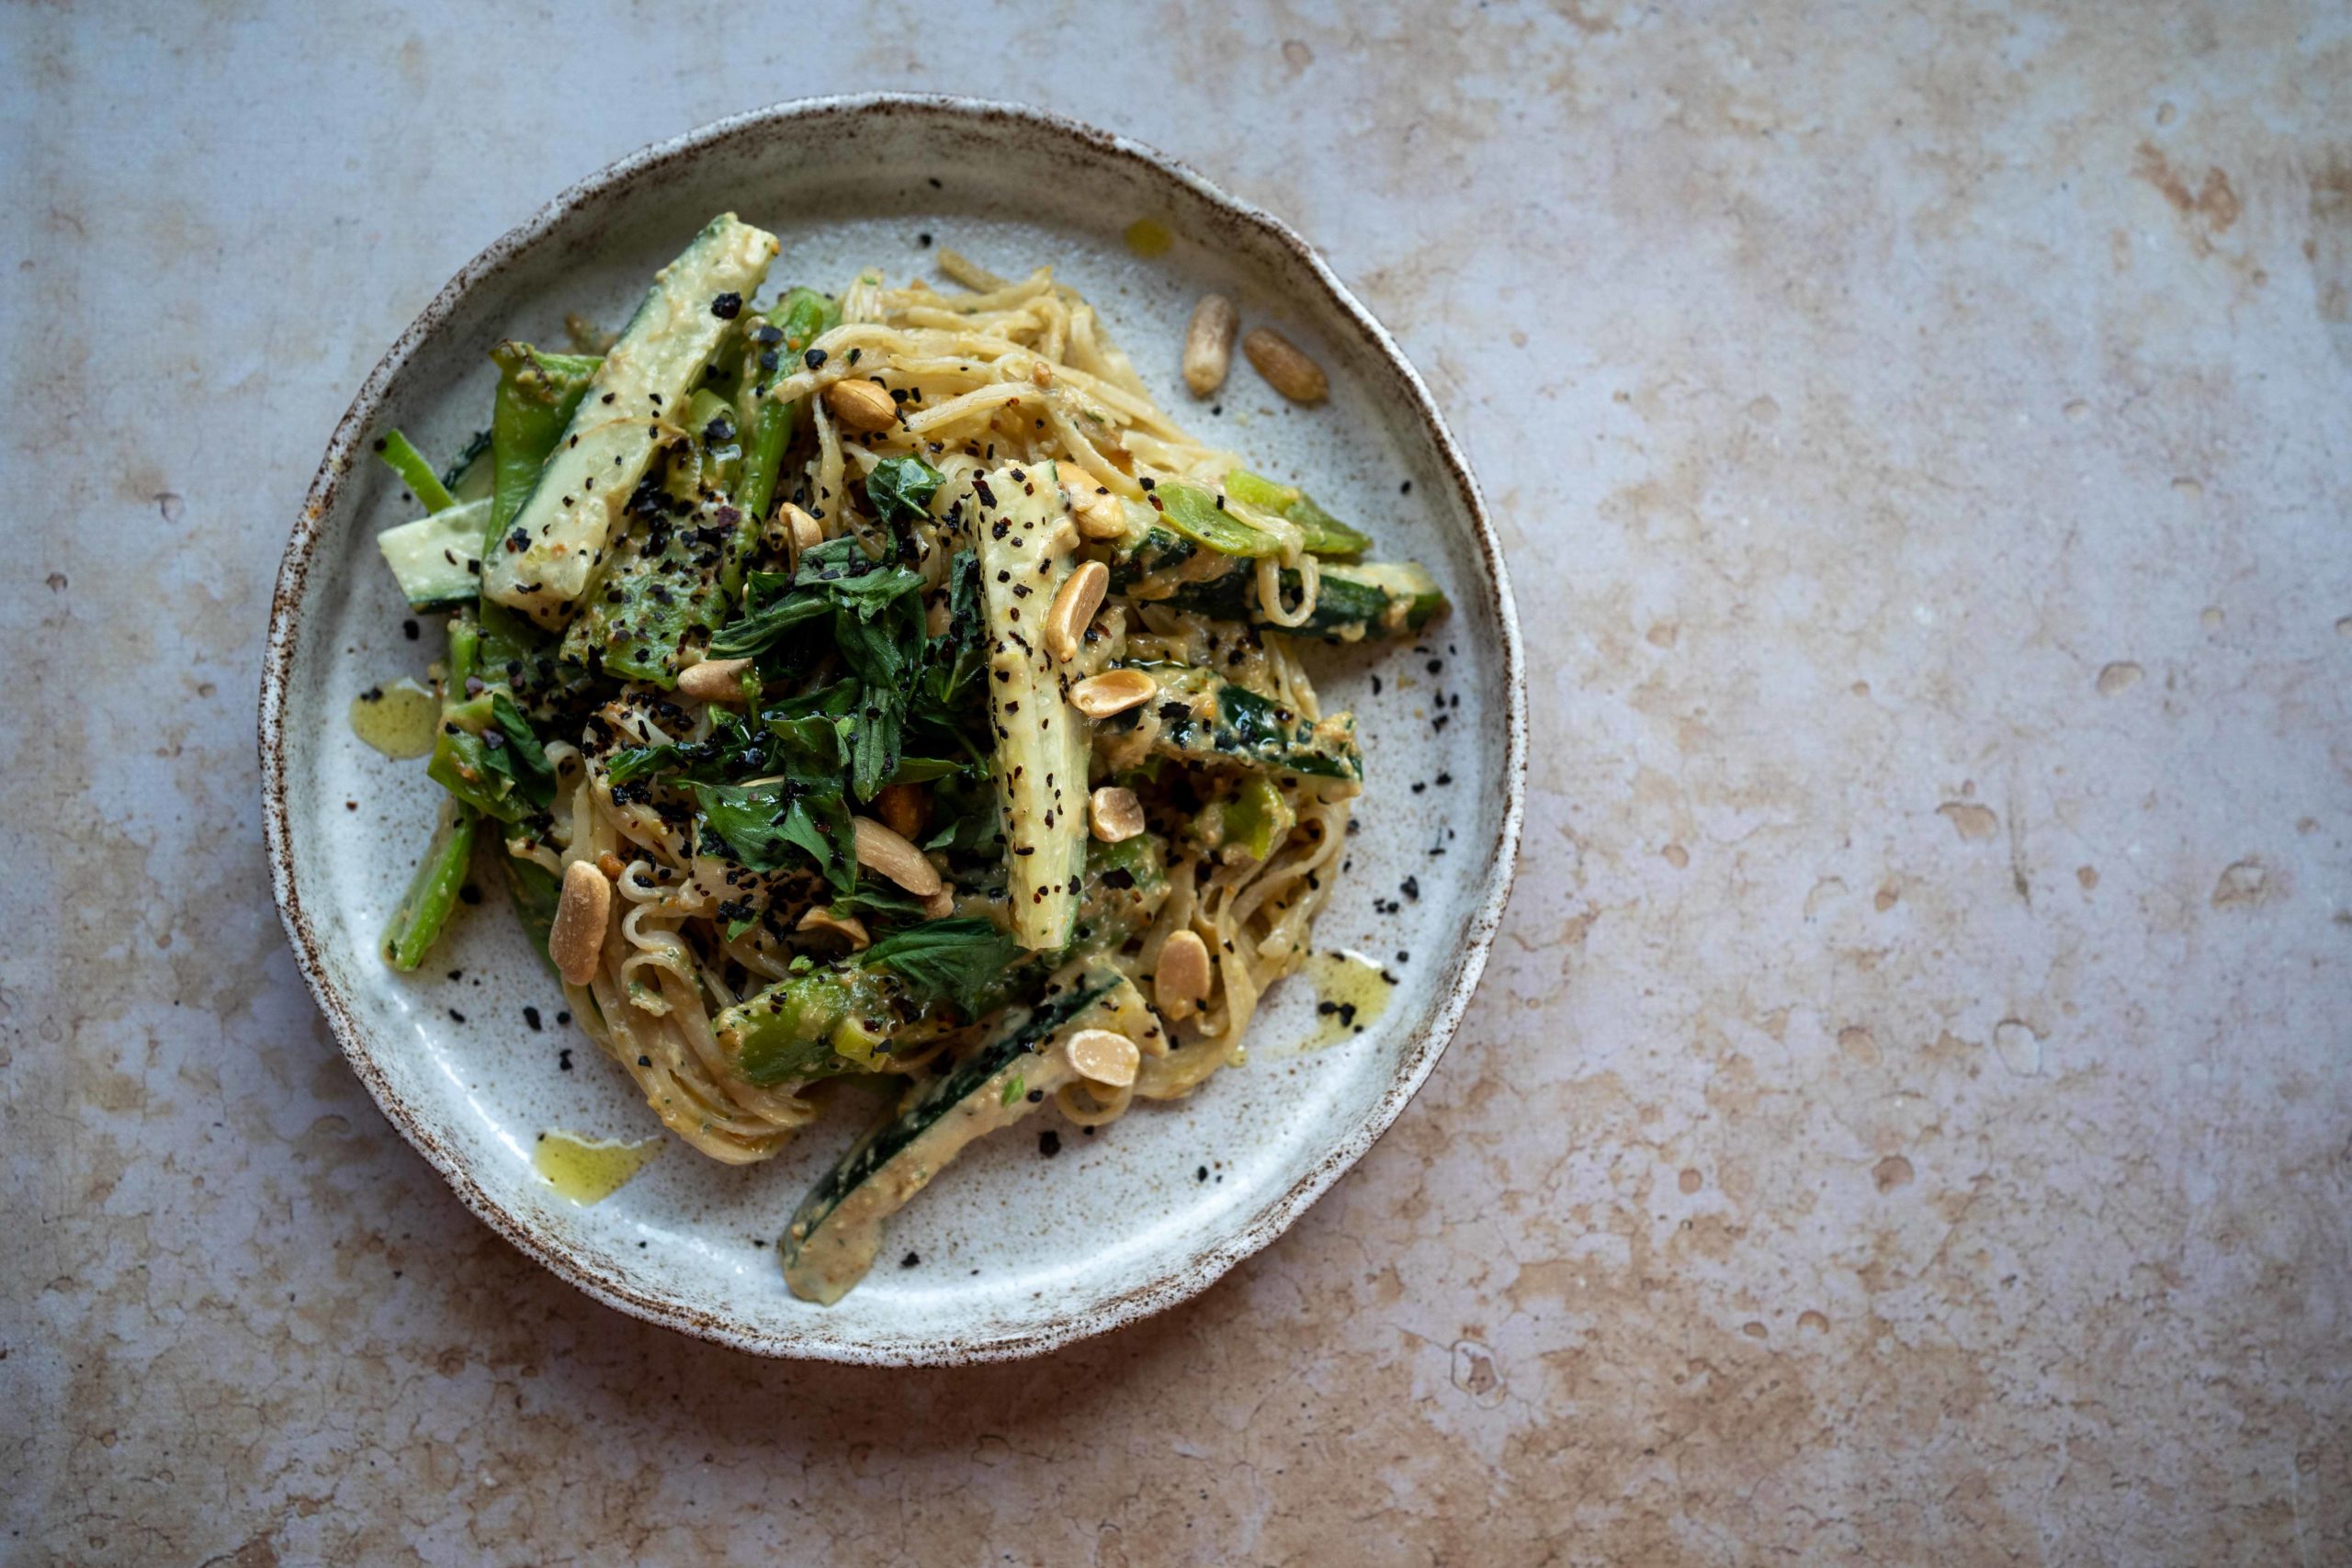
{"x":1196,"y":515}
{"x":802,"y":315}
{"x":415,"y":472}
{"x":431,"y":892}
{"x":536,"y":395}
{"x":1324,"y":534}
{"x":762,"y":456}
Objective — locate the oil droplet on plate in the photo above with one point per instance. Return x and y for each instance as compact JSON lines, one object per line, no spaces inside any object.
{"x":2117,"y":678}
{"x":1149,"y":238}
{"x":396,"y":717}
{"x":1353,"y":990}
{"x":589,"y":1170}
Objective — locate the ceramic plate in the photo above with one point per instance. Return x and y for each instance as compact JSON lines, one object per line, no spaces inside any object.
{"x":1015,"y":1252}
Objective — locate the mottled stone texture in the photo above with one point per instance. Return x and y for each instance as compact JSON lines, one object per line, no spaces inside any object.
{"x":1906,"y":1117}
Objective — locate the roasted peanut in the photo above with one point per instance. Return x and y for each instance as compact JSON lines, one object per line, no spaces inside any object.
{"x":1286,"y":369}
{"x":576,"y":940}
{"x":1182,"y":984}
{"x":1117,"y":814}
{"x":820,"y":920}
{"x":1208,"y":343}
{"x":903,"y":809}
{"x":1113,"y":692}
{"x":863,"y":406}
{"x":714,"y":680}
{"x":881,"y":850}
{"x":1105,"y":1057}
{"x":1098,"y":511}
{"x":1073,"y":609}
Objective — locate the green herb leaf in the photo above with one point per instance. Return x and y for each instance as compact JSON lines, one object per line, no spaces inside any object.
{"x":761,"y":824}
{"x":950,"y":959}
{"x":900,"y":488}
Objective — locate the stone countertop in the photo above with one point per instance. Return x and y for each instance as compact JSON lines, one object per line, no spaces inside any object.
{"x":1907,"y":1115}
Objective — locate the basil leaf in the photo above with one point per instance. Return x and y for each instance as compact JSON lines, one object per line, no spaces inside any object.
{"x":761,"y":823}
{"x":901,"y":488}
{"x":947,"y":960}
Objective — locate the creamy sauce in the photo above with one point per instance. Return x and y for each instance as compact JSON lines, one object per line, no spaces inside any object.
{"x":396,"y":717}
{"x":589,"y":1170}
{"x":1149,"y":238}
{"x":1351,"y":991}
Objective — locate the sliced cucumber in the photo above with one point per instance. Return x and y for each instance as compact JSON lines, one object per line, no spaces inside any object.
{"x":1027,"y":546}
{"x":837,"y":1230}
{"x":437,"y":559}
{"x":553,"y":551}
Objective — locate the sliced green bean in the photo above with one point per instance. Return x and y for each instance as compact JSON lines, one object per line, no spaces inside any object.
{"x":415,"y":472}
{"x":433,"y":892}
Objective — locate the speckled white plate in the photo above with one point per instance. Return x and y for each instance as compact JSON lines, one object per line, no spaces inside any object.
{"x":1017,"y":1253}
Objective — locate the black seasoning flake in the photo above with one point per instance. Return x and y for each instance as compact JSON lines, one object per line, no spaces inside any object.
{"x":469,"y":894}
{"x":1376,"y":685}
{"x":409,"y":630}
{"x":1410,"y":888}
{"x":531,"y":1017}
{"x":924,"y":239}
{"x":728,"y":306}
{"x":645,"y":1061}
{"x":562,"y":1018}
{"x":1405,"y":489}
{"x":563,"y":1059}
{"x":814,"y":359}
{"x":909,"y":1261}
{"x":457,"y":1017}
{"x":1049,"y":1143}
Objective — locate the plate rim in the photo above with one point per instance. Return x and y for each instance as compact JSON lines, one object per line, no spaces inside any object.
{"x":1191,"y":1273}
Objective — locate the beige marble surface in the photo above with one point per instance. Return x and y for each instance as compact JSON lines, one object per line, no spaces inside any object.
{"x":1906,"y":1119}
